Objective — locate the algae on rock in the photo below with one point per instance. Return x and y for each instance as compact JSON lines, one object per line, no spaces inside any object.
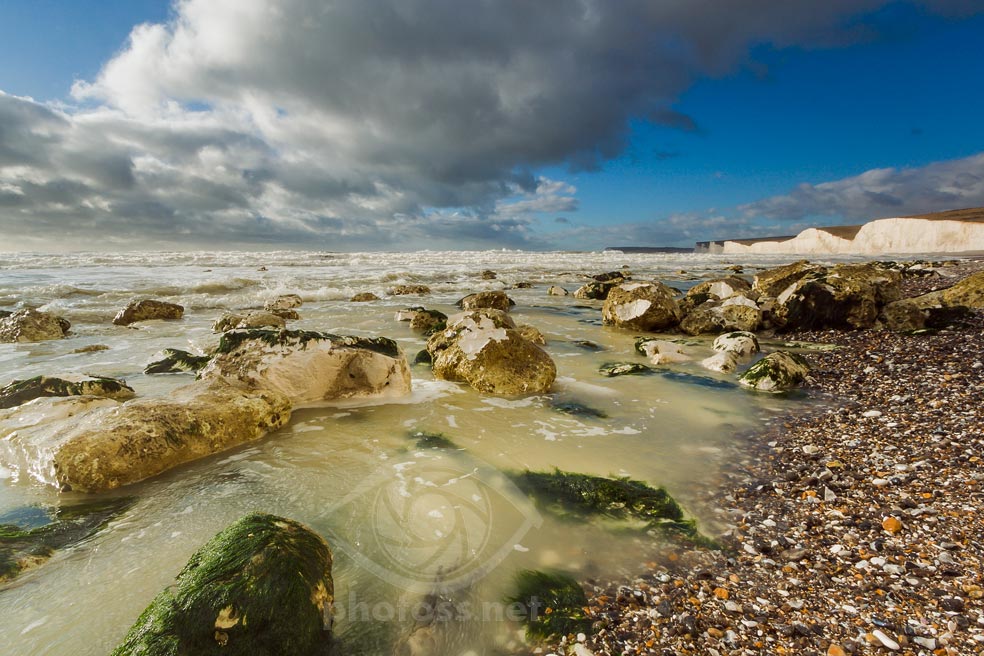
{"x":553,"y":604}
{"x":261,"y":587}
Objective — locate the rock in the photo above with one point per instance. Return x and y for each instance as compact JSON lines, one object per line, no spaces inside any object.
{"x":491,"y":356}
{"x":284,"y":302}
{"x":230,"y":321}
{"x":612,"y":369}
{"x":522,"y":284}
{"x":423,"y":320}
{"x":597,"y":291}
{"x":576,"y":409}
{"x":147,"y":310}
{"x":499,"y":318}
{"x":176,"y":361}
{"x":496,"y":300}
{"x":736,"y":313}
{"x":29,"y":536}
{"x":613,"y":276}
{"x":641,"y":306}
{"x":533,"y":334}
{"x":30,"y":325}
{"x":936,"y":309}
{"x":408,"y":290}
{"x":724,"y":362}
{"x":261,"y":586}
{"x":554,"y":290}
{"x":287,"y":314}
{"x":776,"y":372}
{"x":845,"y":297}
{"x":309,"y":367}
{"x":773,"y":282}
{"x":22,"y":391}
{"x":364,"y":297}
{"x":969,"y":292}
{"x":742,"y":344}
{"x":660,"y":351}
{"x":488,"y":275}
{"x":720,"y":288}
{"x":91,"y":444}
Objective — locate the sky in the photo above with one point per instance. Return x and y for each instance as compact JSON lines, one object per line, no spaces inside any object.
{"x":439,"y":124}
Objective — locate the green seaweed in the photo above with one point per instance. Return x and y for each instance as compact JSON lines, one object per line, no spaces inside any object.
{"x":32,"y":534}
{"x":423,"y":357}
{"x":261,"y":587}
{"x":611,"y":369}
{"x":175,"y":361}
{"x":553,"y":604}
{"x":582,"y":497}
{"x":233,"y":339}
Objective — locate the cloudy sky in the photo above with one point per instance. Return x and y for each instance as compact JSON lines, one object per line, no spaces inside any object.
{"x":401,"y":124}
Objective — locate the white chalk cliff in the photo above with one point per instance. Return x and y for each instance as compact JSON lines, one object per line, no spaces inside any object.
{"x":882,"y":236}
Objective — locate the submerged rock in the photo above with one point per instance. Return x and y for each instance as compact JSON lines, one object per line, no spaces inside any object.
{"x":284,"y":302}
{"x":22,"y":391}
{"x":363,"y":297}
{"x":776,"y":372}
{"x":553,"y":604}
{"x":724,"y":362}
{"x":263,"y":586}
{"x":742,"y":343}
{"x":432,"y":440}
{"x":576,"y":409}
{"x":612,"y":369}
{"x":489,"y":275}
{"x":408,"y":290}
{"x":495,"y":299}
{"x":484,"y":349}
{"x":147,"y":310}
{"x":177,"y":361}
{"x":91,"y":444}
{"x":30,"y":325}
{"x":308,"y":367}
{"x":582,"y":497}
{"x":641,"y":306}
{"x":29,"y":536}
{"x":91,"y":348}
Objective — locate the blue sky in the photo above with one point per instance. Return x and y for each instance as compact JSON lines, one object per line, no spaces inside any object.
{"x":262,"y":123}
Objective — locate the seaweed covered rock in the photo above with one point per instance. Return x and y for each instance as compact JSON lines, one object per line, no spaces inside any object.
{"x":582,"y":497}
{"x":613,"y":369}
{"x":641,"y":306}
{"x":595,"y":290}
{"x":30,"y":325}
{"x":845,"y":297}
{"x":283,"y":302}
{"x":91,"y":444}
{"x":231,"y":321}
{"x":485,"y":350}
{"x":22,"y":391}
{"x":147,"y":310}
{"x":424,"y":440}
{"x":176,"y":361}
{"x":423,"y":320}
{"x":553,"y":604}
{"x":308,"y":367}
{"x":30,"y":535}
{"x":742,"y":343}
{"x":408,"y":290}
{"x":495,"y":299}
{"x":776,"y":372}
{"x":363,"y":297}
{"x":261,"y":587}
{"x":773,"y":282}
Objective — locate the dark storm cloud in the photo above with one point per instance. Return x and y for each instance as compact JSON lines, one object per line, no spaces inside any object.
{"x":299,"y":120}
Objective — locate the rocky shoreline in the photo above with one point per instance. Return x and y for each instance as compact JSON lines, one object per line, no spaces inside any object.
{"x":852,"y":528}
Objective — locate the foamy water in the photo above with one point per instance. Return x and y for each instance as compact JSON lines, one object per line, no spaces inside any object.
{"x":398,"y":516}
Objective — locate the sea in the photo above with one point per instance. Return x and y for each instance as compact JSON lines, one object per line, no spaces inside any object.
{"x":407,"y":523}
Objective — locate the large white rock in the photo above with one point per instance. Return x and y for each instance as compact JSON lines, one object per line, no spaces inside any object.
{"x":641,"y":306}
{"x":660,"y":351}
{"x":742,"y":344}
{"x":310,"y":367}
{"x":724,"y":362}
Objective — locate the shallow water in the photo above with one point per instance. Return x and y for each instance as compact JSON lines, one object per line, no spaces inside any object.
{"x":399,"y":517}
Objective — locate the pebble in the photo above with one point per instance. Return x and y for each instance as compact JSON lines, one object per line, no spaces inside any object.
{"x":885,"y":640}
